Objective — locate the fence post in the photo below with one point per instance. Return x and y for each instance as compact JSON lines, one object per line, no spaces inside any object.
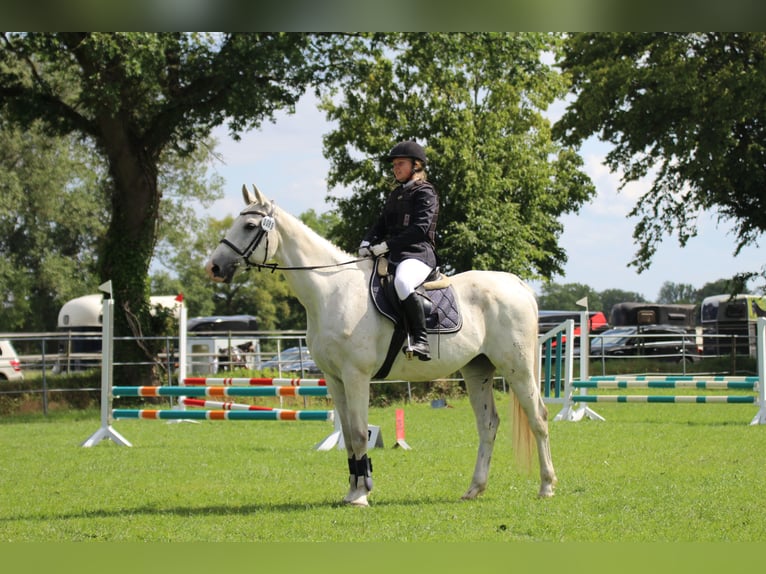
{"x":106,"y":431}
{"x":45,"y":383}
{"x":760,"y":417}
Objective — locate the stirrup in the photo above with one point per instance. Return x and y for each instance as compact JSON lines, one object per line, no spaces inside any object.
{"x":410,"y":351}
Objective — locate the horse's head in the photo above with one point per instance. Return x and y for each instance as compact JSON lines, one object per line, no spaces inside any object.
{"x":249,"y":239}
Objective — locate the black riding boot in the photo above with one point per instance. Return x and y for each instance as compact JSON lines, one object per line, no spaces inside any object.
{"x":416,"y":321}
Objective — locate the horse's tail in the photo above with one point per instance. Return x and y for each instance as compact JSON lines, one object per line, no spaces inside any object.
{"x":523,"y":439}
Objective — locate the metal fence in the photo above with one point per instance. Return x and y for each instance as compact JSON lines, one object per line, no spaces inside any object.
{"x":51,"y":354}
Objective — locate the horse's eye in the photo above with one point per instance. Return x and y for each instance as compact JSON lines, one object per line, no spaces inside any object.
{"x":250,"y":224}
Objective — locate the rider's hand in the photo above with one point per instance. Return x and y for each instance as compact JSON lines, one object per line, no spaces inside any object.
{"x":379,"y":249}
{"x":364,"y":249}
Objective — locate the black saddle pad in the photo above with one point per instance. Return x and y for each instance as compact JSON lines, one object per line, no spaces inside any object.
{"x":444,"y":316}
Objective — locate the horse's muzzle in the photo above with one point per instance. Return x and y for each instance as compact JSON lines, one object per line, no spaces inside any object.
{"x":217,"y":274}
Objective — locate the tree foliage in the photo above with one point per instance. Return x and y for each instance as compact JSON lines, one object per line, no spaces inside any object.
{"x":475,"y":101}
{"x":564,"y":297}
{"x":53,"y":213}
{"x":688,"y":111}
{"x":56,"y":213}
{"x":137,"y":96}
{"x":676,"y":293}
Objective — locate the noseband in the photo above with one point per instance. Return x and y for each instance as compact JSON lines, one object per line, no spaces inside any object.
{"x":266,"y":224}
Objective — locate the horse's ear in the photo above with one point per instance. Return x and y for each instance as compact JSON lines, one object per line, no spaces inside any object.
{"x":247,"y":196}
{"x":259,"y":196}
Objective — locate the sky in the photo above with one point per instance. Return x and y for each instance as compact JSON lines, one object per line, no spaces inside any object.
{"x":284,"y":159}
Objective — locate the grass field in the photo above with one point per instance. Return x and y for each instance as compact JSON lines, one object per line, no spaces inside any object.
{"x":668,"y":473}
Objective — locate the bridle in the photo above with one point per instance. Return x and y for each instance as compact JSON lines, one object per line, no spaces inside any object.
{"x":268,"y":223}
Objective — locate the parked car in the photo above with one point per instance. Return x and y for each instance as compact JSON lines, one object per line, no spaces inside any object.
{"x":10,"y":366}
{"x":663,"y":342}
{"x":292,"y":360}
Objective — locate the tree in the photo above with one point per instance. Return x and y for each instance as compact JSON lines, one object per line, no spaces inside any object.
{"x":476,"y":102}
{"x":556,"y":296}
{"x":677,"y":293}
{"x":688,"y":110}
{"x":138,"y":95}
{"x":53,"y":211}
{"x":718,"y":287}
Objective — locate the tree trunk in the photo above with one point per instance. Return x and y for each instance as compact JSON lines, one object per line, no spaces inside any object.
{"x":128,"y":247}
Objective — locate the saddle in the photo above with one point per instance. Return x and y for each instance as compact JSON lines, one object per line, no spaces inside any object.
{"x":439,"y":303}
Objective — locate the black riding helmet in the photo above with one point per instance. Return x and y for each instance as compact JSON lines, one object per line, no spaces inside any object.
{"x":410,"y":149}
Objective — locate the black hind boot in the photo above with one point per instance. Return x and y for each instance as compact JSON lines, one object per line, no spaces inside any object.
{"x":416,"y":322}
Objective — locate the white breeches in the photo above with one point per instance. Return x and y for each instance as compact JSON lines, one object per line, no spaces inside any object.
{"x":409,"y":274}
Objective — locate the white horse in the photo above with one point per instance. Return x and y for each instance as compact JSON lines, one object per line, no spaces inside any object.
{"x":348,"y":337}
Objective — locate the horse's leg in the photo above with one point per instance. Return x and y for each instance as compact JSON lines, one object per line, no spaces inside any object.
{"x":478,"y":376}
{"x":352,"y":406}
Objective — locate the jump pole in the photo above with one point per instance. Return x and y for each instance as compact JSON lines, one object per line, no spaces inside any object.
{"x":255,"y":381}
{"x":223,"y":415}
{"x":219,"y":391}
{"x":106,"y":431}
{"x":224,"y":405}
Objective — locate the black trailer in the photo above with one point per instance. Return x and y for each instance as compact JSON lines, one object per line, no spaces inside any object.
{"x":639,"y":313}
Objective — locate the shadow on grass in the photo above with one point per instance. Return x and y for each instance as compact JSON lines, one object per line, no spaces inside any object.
{"x":232,"y":510}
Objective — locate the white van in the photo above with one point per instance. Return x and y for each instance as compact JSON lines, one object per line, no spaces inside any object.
{"x":80,"y":318}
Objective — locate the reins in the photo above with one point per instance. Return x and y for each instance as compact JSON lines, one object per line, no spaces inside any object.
{"x":275,"y":266}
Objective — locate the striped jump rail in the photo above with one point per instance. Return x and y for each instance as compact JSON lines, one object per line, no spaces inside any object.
{"x":668,"y":382}
{"x":257,"y":381}
{"x":698,"y":399}
{"x":712,"y":382}
{"x":222,"y":415}
{"x":214,"y":392}
{"x":223,"y":405}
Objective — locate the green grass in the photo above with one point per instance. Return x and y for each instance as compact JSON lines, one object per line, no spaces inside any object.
{"x":670,"y":473}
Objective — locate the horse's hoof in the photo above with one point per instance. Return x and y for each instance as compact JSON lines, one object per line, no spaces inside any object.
{"x":360,"y":501}
{"x":546,"y":491}
{"x":473,"y":492}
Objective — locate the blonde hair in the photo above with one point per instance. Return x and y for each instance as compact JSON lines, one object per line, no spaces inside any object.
{"x":420,"y":170}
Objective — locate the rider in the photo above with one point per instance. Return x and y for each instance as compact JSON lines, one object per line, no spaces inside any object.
{"x":406,"y":230}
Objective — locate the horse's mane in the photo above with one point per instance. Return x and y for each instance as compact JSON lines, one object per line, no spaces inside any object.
{"x":335,"y":251}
